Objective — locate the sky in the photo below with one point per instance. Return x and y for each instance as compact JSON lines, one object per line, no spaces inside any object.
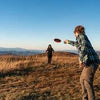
{"x":33,"y":24}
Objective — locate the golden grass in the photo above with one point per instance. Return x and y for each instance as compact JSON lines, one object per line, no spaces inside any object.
{"x":31,"y":78}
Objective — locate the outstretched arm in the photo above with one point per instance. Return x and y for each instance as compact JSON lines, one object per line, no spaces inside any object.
{"x":73,"y":43}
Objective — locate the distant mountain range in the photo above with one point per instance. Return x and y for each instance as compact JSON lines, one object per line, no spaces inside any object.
{"x":19,"y":51}
{"x":12,"y":49}
{"x":22,"y":51}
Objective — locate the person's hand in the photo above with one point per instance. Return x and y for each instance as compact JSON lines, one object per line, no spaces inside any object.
{"x":66,"y":41}
{"x":46,"y":52}
{"x":81,"y":64}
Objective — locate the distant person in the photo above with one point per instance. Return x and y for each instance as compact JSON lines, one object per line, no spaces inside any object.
{"x":88,"y":60}
{"x":49,"y":52}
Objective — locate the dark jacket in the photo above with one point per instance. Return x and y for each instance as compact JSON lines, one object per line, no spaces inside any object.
{"x":86,"y":52}
{"x":49,"y":51}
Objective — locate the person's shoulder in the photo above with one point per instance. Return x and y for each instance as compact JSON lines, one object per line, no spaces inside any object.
{"x":52,"y":49}
{"x":82,"y":36}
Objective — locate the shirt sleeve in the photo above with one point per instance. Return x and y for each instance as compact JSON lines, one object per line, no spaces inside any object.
{"x":73,"y":43}
{"x":46,"y":50}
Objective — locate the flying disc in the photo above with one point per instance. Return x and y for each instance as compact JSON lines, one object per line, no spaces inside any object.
{"x":57,"y":40}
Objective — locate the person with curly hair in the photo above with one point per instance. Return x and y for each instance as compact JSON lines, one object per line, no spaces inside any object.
{"x":88,"y":60}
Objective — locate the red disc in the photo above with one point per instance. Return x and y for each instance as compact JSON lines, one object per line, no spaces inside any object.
{"x":57,"y":40}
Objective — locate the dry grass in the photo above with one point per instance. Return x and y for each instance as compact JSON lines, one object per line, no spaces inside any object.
{"x":31,"y":78}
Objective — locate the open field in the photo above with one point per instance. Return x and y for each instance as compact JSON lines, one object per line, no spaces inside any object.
{"x":31,"y":78}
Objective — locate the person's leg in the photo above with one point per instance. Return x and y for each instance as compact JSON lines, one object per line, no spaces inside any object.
{"x":84,"y":91}
{"x":88,"y":77}
{"x":89,"y":83}
{"x":50,"y":59}
{"x":90,"y":90}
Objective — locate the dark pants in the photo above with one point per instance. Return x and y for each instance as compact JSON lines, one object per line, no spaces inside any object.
{"x":86,"y":80}
{"x":49,"y":59}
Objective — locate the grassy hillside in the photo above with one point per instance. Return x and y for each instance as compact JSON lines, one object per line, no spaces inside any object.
{"x":31,"y":78}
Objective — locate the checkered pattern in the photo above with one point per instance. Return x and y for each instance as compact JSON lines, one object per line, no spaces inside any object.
{"x":86,"y":52}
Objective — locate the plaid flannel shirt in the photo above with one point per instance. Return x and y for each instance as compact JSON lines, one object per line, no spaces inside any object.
{"x":86,"y":52}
